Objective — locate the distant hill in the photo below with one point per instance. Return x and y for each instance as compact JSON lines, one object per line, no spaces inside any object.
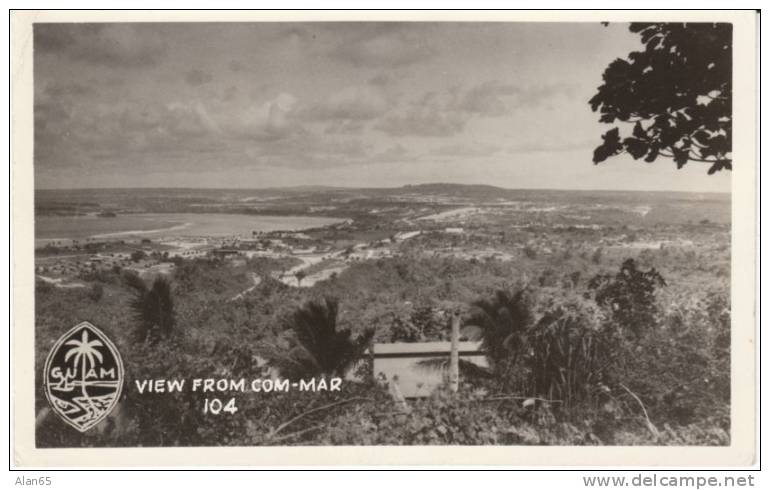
{"x":464,"y":190}
{"x":663,"y":206}
{"x":448,"y":187}
{"x":303,"y":188}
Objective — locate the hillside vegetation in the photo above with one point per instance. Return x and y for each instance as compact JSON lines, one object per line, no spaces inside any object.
{"x":606,"y":351}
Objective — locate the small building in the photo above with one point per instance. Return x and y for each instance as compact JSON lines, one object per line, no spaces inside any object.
{"x":223,"y":253}
{"x":417,"y":366}
{"x":406,"y":235}
{"x":188,"y":253}
{"x":303,"y":251}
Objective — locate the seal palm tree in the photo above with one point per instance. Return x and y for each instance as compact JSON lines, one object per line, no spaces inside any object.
{"x":84,"y":350}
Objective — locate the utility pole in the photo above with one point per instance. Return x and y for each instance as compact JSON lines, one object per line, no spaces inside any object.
{"x":454,"y":355}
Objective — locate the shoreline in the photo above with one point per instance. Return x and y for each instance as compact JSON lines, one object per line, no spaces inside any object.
{"x":139,"y":232}
{"x":209,"y":225}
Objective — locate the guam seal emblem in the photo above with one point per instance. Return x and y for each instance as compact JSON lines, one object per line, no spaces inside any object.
{"x":83,"y":376}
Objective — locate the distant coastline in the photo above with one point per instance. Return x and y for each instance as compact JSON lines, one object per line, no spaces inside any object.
{"x":51,"y":229}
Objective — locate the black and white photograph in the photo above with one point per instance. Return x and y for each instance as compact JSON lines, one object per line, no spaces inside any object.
{"x":384,"y":233}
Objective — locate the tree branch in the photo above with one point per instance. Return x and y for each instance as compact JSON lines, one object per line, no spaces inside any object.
{"x":507,"y":397}
{"x":298,"y":433}
{"x":689,"y":158}
{"x":650,"y":426}
{"x":702,"y":160}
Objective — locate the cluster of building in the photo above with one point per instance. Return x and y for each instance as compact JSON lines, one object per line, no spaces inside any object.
{"x":319,"y":260}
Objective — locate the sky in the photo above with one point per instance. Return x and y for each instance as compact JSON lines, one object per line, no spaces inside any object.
{"x":252,"y":105}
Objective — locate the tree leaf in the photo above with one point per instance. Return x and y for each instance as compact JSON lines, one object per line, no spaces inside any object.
{"x":658,"y":89}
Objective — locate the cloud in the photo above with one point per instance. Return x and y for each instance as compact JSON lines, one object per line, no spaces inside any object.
{"x":230,"y":93}
{"x":344,"y":127}
{"x":188,"y":120}
{"x":66,"y":89}
{"x":389,"y":47}
{"x":393,"y":153}
{"x":140,"y":133}
{"x":430,"y":116}
{"x":443,"y":114}
{"x":487,"y":99}
{"x":312,"y":150}
{"x":422,"y":122}
{"x":113,"y":45}
{"x":495,"y":98}
{"x":72,"y":134}
{"x":270,"y":121}
{"x":235,"y":66}
{"x":467,"y":150}
{"x":358,"y":103}
{"x":196,"y":77}
{"x":540,"y":95}
{"x":381,"y":80}
{"x":552,"y":146}
{"x":52,"y":144}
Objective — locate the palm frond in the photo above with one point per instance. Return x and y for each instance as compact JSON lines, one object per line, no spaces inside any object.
{"x":325,"y":349}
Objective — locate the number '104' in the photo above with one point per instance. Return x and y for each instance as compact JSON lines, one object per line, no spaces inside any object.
{"x":215,"y":406}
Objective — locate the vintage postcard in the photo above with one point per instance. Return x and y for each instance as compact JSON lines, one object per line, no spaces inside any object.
{"x":365,"y":238}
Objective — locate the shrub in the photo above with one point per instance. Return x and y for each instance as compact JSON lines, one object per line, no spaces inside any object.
{"x":629,"y":295}
{"x":416,"y":324}
{"x":682,"y":372}
{"x":96,"y":292}
{"x":571,"y":351}
{"x":548,"y":278}
{"x":529,"y":252}
{"x":574,"y":279}
{"x":565,"y":354}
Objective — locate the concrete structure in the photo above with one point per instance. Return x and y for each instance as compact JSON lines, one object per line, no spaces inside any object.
{"x":417,"y":366}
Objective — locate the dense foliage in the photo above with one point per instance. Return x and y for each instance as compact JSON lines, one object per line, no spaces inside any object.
{"x":569,"y":362}
{"x":629,"y":296}
{"x":573,"y":350}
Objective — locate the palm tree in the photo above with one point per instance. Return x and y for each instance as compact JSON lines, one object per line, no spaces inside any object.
{"x":86,"y":351}
{"x":503,"y":320}
{"x":319,"y":347}
{"x":153,"y":307}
